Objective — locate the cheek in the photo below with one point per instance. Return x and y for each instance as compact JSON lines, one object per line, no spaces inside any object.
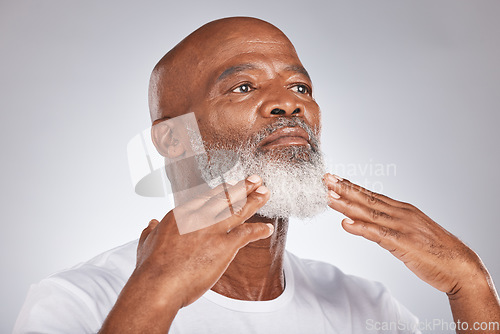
{"x":228,"y":120}
{"x":313,"y":116}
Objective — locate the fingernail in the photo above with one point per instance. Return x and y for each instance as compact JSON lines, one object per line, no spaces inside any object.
{"x":348,"y":221}
{"x":332,"y":178}
{"x":231,"y":182}
{"x":262,"y":190}
{"x":152,"y":222}
{"x":333,"y":194}
{"x":253,"y":178}
{"x":338,"y":177}
{"x":271,"y":227}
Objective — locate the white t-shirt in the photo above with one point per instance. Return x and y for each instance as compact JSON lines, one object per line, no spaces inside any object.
{"x":318,"y":298}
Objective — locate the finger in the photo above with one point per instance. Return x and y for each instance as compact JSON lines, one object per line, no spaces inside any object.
{"x":386,"y":237}
{"x":249,"y":183}
{"x":151,"y":226}
{"x":340,"y":185}
{"x":358,"y":205}
{"x":243,"y":234}
{"x":254,"y":202}
{"x":220,"y":191}
{"x":357,"y":211}
{"x":232,"y":208}
{"x":229,"y":211}
{"x":343,"y":190}
{"x":231,"y":194}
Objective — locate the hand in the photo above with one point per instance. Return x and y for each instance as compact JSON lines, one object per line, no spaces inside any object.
{"x":432,"y":253}
{"x":194,"y":262}
{"x":174,"y":270}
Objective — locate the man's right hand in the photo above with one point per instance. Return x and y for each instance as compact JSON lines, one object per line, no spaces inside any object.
{"x":174,"y":270}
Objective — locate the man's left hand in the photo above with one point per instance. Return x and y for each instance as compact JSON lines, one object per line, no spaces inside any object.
{"x":432,"y":253}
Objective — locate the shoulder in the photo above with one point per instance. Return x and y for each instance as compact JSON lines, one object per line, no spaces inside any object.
{"x":104,"y":274}
{"x":359,"y":298}
{"x":78,"y":299}
{"x":115,"y":265}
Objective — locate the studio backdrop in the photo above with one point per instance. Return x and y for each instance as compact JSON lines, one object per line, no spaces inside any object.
{"x":409,"y":92}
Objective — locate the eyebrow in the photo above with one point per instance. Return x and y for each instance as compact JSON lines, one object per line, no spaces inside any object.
{"x":299,"y":69}
{"x":235,"y":69}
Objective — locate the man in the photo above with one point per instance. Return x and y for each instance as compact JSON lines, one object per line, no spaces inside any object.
{"x":250,"y":95}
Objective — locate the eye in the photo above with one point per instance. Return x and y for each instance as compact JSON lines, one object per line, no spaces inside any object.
{"x":243,"y":88}
{"x":301,"y":89}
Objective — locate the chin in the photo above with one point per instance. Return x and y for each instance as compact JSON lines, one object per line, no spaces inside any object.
{"x":304,"y":212}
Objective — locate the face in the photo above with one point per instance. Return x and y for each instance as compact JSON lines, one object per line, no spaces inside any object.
{"x":249,"y":85}
{"x":257,"y":102}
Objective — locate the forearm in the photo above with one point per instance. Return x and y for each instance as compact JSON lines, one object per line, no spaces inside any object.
{"x":476,"y":306}
{"x":142,"y":307}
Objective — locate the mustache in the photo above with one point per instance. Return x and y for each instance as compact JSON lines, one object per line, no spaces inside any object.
{"x":285,"y":122}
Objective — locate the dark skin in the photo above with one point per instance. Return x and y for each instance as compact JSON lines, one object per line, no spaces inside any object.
{"x":234,"y":74}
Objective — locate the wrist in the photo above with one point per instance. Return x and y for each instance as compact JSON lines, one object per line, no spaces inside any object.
{"x":474,"y":282}
{"x":159,"y":292}
{"x":143,"y":305}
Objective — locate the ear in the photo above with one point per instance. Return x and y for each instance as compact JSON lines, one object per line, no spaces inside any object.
{"x":166,"y":140}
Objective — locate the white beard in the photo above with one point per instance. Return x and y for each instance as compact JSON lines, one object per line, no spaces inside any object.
{"x":293,"y":174}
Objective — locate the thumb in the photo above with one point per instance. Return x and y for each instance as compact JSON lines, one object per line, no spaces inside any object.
{"x":152,"y":224}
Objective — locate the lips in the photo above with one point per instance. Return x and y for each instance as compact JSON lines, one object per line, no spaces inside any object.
{"x":285,"y":137}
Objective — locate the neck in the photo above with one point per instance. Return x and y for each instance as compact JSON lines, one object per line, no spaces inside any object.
{"x":256,"y":273}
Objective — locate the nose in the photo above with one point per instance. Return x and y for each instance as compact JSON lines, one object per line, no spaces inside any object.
{"x":278,"y":111}
{"x":281,"y":102}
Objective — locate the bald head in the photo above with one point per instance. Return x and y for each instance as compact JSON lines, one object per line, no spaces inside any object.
{"x":180,"y":79}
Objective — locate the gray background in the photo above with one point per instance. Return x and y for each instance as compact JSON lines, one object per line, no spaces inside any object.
{"x":410,"y":83}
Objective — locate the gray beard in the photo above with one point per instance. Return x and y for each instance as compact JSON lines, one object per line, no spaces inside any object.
{"x":293,"y":174}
